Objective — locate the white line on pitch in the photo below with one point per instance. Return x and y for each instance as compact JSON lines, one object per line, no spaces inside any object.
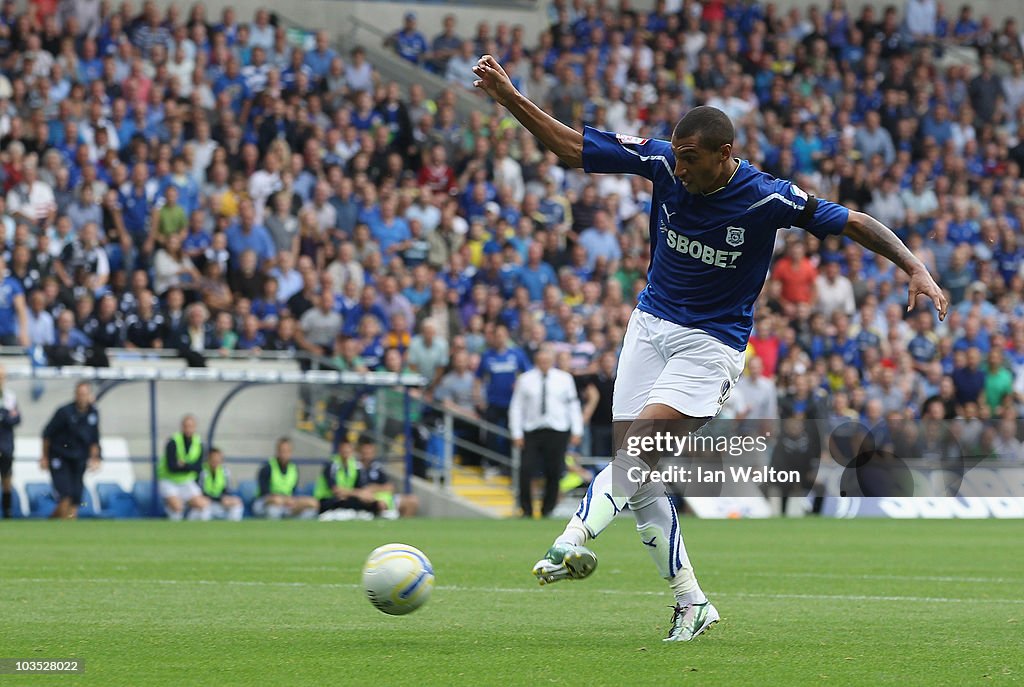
{"x":824,"y":576}
{"x":510,"y":590}
{"x":909,"y":578}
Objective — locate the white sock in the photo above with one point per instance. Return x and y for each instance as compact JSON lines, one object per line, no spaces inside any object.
{"x":658,"y":526}
{"x":275,"y":512}
{"x":607,"y":495}
{"x":175,"y":515}
{"x":235,"y":512}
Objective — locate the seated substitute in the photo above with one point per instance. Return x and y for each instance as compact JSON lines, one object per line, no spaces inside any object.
{"x":178,"y":470}
{"x":215,"y":483}
{"x":277,"y":482}
{"x":372,"y":477}
{"x":336,"y":486}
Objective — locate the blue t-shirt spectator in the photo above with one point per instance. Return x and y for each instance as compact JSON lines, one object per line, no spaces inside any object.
{"x":257,"y":238}
{"x":500,"y":369}
{"x":536,"y":278}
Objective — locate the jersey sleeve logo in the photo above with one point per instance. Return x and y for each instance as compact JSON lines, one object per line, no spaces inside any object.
{"x":734,"y":236}
{"x":630,"y":140}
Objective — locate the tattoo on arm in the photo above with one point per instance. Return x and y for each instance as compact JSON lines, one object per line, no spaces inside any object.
{"x":875,"y":236}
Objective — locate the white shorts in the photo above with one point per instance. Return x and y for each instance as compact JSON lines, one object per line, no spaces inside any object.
{"x":186,"y":491}
{"x":663,"y":362}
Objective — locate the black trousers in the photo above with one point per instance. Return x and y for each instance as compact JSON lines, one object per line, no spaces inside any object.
{"x":498,"y":444}
{"x":601,"y":437}
{"x":68,"y":477}
{"x":543,"y":451}
{"x":350,"y":503}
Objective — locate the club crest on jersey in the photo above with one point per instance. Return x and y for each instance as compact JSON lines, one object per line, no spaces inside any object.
{"x":631,"y":140}
{"x":734,"y":236}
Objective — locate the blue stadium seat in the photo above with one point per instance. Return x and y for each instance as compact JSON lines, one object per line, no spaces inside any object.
{"x":305,"y":489}
{"x":88,"y":508}
{"x":16,"y":505}
{"x":247,"y":492}
{"x":115,"y":502}
{"x":40,"y":499}
{"x":143,"y":495}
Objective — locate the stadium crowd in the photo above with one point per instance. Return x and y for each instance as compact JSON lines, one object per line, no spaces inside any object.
{"x":202,"y":184}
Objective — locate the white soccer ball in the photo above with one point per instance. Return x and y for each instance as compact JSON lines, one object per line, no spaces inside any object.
{"x":398,"y":578}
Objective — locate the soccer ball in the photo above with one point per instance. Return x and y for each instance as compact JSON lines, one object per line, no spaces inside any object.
{"x":398,"y":578}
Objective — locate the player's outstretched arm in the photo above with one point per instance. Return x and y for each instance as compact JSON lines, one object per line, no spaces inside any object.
{"x":875,"y":236}
{"x":563,"y":141}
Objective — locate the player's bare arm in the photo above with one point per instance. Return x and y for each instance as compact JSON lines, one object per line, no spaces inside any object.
{"x":875,"y":236}
{"x":563,"y":141}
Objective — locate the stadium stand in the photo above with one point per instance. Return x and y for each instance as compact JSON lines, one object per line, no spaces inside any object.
{"x":195,"y":184}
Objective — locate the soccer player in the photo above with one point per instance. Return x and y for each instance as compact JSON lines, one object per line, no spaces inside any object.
{"x":712,"y":231}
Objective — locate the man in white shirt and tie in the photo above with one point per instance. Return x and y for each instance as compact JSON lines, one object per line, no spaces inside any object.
{"x":544,"y":418}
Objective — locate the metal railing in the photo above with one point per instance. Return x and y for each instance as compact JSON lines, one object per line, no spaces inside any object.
{"x":445,"y":425}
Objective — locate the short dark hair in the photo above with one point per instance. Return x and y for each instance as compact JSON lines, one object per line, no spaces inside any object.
{"x":367,"y":440}
{"x":711,"y":126}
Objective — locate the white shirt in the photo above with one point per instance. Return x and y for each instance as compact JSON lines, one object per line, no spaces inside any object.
{"x":33,"y":203}
{"x":10,"y":401}
{"x":761,"y":397}
{"x":561,"y":404}
{"x":835,"y":296}
{"x":921,"y":17}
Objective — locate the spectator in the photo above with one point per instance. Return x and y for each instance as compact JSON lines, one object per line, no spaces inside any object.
{"x":597,"y":415}
{"x":173,"y":268}
{"x":40,"y":325}
{"x":998,"y":382}
{"x":797,"y":275}
{"x":320,"y":325}
{"x":409,"y":43}
{"x":834,"y":291}
{"x":496,"y":374}
{"x":428,"y":354}
{"x":459,"y":69}
{"x":143,"y":328}
{"x":601,"y":242}
{"x":246,"y":234}
{"x":169,"y":218}
{"x":873,"y":140}
{"x":968,"y":377}
{"x":14,"y":325}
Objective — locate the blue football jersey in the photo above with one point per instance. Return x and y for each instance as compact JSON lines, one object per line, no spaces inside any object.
{"x":710,"y":254}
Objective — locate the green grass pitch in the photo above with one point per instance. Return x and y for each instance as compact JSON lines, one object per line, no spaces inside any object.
{"x":261,"y":603}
